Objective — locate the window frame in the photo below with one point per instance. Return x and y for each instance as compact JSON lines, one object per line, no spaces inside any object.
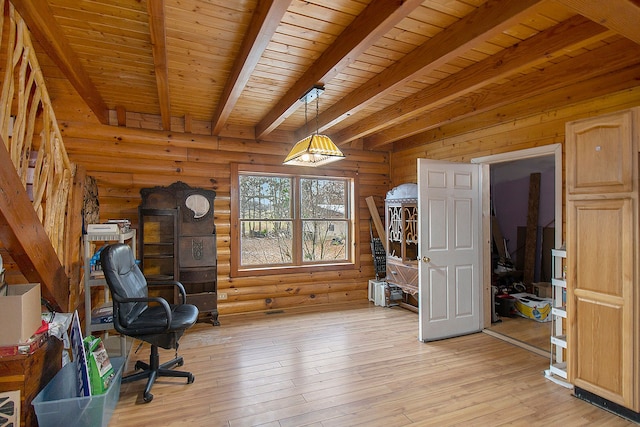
{"x":298,"y":264}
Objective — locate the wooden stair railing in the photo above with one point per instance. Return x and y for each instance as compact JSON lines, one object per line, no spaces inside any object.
{"x":39,"y":227}
{"x":23,"y":235}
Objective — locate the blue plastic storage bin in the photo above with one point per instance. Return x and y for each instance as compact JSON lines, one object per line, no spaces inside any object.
{"x":57,"y":405}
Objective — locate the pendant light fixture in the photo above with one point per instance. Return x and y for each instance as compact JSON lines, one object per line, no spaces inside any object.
{"x":315,"y":149}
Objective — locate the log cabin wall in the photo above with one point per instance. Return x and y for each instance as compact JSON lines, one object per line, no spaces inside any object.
{"x":137,"y":154}
{"x":127,"y":75}
{"x":124,"y":160}
{"x":500,"y":131}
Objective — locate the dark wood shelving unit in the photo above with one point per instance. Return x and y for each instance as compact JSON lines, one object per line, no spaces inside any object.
{"x":178,"y":242}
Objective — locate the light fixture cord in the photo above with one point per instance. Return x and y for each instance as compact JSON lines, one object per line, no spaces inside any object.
{"x":306,"y":123}
{"x":317,"y":112}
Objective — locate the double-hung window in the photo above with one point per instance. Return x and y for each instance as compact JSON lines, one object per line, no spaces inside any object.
{"x":284,"y":221}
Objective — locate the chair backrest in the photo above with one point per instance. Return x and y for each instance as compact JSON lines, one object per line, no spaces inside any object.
{"x":125,"y":280}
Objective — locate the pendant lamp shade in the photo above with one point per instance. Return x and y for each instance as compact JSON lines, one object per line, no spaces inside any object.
{"x":314,"y":150}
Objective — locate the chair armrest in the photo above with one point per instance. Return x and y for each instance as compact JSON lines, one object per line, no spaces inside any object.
{"x":159,"y":300}
{"x":183,"y":293}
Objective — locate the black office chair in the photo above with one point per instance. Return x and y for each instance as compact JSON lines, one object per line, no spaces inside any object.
{"x":150,"y":319}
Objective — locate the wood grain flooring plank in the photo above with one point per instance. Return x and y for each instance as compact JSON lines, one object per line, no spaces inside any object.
{"x":352,"y":364}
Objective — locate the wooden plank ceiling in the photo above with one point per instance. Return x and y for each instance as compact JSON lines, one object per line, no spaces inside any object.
{"x":391,"y":69}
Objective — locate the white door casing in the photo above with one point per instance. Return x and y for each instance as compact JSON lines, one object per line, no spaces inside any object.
{"x":554,"y":150}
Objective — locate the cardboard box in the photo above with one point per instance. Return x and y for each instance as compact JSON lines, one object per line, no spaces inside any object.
{"x":542,"y":289}
{"x":20,"y":313}
{"x":379,"y":295}
{"x":533,"y":307}
{"x":373,"y":284}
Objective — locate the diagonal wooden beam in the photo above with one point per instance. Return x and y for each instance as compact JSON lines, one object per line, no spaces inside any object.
{"x":600,"y":61}
{"x":39,"y":18}
{"x":379,"y":17}
{"x":23,"y":235}
{"x":577,"y":31}
{"x":155,"y":8}
{"x":621,"y":16}
{"x":264,"y":22}
{"x":488,"y":20}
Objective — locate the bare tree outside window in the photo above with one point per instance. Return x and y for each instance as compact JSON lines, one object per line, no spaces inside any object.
{"x":266,"y":220}
{"x":324,"y":210}
{"x":273,"y":207}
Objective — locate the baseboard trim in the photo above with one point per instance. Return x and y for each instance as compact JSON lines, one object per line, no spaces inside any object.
{"x":606,"y":404}
{"x":516,"y":342}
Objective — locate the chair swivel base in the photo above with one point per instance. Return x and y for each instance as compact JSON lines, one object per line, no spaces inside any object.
{"x":154,"y":369}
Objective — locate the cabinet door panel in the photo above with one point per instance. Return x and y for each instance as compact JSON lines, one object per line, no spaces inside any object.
{"x":403,"y":275}
{"x":604,"y":245}
{"x":600,"y":346}
{"x":600,"y":285}
{"x":198,"y":251}
{"x":599,"y":154}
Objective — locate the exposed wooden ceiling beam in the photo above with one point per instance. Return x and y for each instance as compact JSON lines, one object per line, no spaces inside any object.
{"x":441,"y":137}
{"x":606,"y":59}
{"x":575,"y":32}
{"x":485,"y":22}
{"x":41,"y":22}
{"x":23,"y":235}
{"x":379,"y":17}
{"x":155,"y":9}
{"x":264,"y":22}
{"x":621,"y":16}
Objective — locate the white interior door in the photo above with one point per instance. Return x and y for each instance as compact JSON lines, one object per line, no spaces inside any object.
{"x":450,"y":267}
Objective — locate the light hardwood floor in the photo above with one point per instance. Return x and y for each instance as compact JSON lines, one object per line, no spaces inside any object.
{"x":348,"y":365}
{"x":525,"y":331}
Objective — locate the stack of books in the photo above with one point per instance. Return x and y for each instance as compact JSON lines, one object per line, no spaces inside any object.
{"x":102,"y":314}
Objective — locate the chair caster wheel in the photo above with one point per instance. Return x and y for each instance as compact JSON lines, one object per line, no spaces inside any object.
{"x":147,"y":397}
{"x":190,"y":379}
{"x":138,"y":366}
{"x":180,"y":363}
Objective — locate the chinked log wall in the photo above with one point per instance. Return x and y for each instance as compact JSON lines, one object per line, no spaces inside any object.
{"x":124,"y":160}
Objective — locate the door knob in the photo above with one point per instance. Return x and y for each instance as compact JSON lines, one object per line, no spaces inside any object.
{"x":426,"y":259}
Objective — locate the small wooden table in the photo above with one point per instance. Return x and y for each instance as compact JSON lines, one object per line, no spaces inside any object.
{"x":29,"y":374}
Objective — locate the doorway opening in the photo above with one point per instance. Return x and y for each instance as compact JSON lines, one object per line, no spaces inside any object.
{"x":509,"y":184}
